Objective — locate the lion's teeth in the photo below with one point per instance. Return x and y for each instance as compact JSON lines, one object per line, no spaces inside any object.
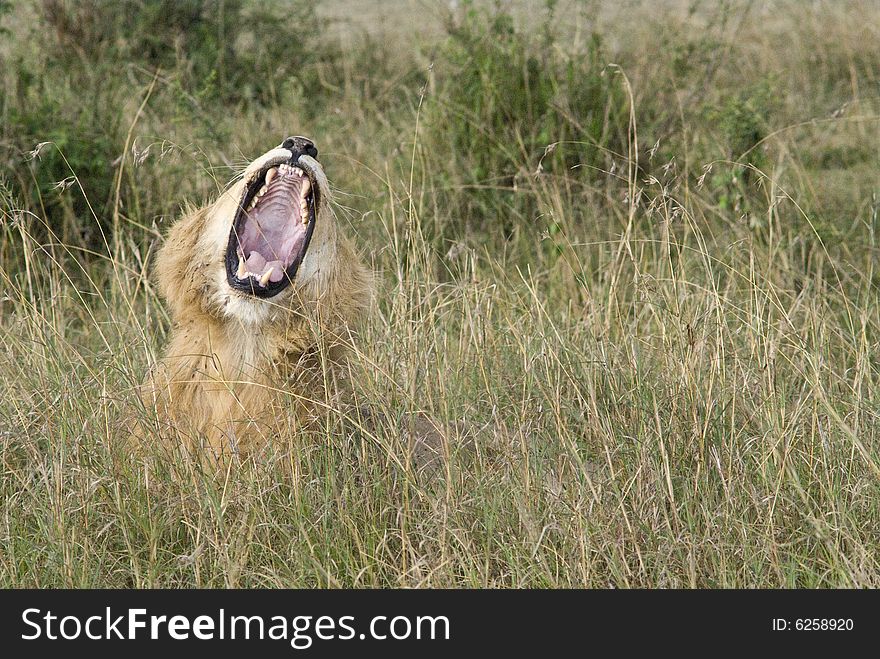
{"x":272,"y":173}
{"x":265,"y":278}
{"x":242,"y":272}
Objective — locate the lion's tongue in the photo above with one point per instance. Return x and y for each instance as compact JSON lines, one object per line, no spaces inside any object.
{"x":258,"y":265}
{"x":255,"y":263}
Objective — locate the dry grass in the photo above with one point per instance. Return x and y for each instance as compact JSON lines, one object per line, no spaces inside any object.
{"x":669,"y":385}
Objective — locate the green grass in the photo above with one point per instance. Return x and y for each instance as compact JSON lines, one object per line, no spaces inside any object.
{"x":653,"y":306}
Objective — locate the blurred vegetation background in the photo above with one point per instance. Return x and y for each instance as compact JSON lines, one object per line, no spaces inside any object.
{"x":633,"y":242}
{"x":505,"y":93}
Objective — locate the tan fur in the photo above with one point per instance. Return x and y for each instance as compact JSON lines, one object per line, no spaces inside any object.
{"x":239,"y":368}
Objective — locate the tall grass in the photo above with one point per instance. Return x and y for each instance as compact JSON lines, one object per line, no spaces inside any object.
{"x":650,"y":335}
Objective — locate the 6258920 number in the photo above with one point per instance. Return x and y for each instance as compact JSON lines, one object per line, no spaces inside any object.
{"x":823,"y":624}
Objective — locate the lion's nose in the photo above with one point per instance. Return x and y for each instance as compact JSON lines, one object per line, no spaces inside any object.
{"x":299,"y":146}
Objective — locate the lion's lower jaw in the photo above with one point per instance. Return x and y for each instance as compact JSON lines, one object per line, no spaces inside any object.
{"x":251,"y":313}
{"x":315,"y":281}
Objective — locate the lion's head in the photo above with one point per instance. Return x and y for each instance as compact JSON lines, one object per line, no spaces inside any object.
{"x":268,"y":240}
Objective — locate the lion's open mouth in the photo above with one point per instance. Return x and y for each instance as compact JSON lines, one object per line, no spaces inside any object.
{"x":271,"y":230}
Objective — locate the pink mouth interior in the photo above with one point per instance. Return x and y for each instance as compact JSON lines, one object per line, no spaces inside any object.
{"x":272,"y":233}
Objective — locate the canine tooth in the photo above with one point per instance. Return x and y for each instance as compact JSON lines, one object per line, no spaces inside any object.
{"x":242,"y":272}
{"x":265,"y":278}
{"x":272,"y":173}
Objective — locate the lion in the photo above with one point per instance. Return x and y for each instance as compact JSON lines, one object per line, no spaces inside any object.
{"x":265,"y":294}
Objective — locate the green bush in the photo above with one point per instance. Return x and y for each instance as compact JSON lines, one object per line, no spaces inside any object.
{"x":77,"y":93}
{"x":502,"y":97}
{"x":742,"y":121}
{"x":248,"y":50}
{"x":79,"y":125}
